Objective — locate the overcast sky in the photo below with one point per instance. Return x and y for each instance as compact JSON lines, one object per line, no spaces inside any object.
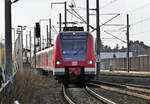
{"x":27,"y":12}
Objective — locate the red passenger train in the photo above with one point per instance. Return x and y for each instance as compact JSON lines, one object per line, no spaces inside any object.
{"x":71,"y":58}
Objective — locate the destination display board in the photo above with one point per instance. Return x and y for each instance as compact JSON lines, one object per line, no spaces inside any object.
{"x":73,"y":29}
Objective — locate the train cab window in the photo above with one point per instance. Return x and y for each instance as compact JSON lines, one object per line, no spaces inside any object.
{"x":74,"y":48}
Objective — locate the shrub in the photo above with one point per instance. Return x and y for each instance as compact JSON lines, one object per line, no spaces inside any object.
{"x":23,"y":88}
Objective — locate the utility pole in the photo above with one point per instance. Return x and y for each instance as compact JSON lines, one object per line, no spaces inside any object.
{"x":50,"y":32}
{"x":30,"y":46}
{"x":26,"y":40}
{"x":26,"y":46}
{"x":59,"y":22}
{"x":34,"y":48}
{"x":65,"y":3}
{"x":128,"y":44}
{"x":22,"y":43}
{"x":43,"y":42}
{"x":21,"y":46}
{"x":87,"y":7}
{"x":98,"y":40}
{"x":8,"y":39}
{"x":47,"y":34}
{"x":40,"y":45}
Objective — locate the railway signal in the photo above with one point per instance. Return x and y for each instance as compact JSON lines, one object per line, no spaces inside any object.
{"x":37,"y":30}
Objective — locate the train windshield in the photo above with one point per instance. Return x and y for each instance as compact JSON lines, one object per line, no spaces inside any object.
{"x":74,"y":47}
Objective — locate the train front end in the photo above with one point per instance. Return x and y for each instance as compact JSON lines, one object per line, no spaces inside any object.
{"x":74,"y":58}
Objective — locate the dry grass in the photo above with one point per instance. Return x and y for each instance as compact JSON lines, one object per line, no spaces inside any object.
{"x":23,"y":88}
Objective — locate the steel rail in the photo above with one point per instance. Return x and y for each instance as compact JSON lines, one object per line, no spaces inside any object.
{"x":108,"y":84}
{"x":66,"y":96}
{"x":101,"y":98}
{"x":122,"y":91}
{"x":140,"y":88}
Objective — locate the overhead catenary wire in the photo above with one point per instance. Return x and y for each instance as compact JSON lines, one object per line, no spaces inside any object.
{"x":54,"y":29}
{"x":112,"y":1}
{"x":115,"y":37}
{"x":74,"y":15}
{"x":103,"y":24}
{"x":107,"y":4}
{"x":116,"y":15}
{"x":141,"y":21}
{"x":136,"y":23}
{"x":137,"y":9}
{"x":78,"y":15}
{"x":139,"y":33}
{"x":81,"y":18}
{"x":107,"y":38}
{"x":110,"y":19}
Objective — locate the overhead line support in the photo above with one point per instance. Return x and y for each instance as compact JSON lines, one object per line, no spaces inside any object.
{"x":88,"y":15}
{"x":50,"y":33}
{"x":128,"y":44}
{"x":8,"y":39}
{"x":59,"y":22}
{"x":98,"y":40}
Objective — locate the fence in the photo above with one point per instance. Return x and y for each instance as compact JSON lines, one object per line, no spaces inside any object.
{"x":140,"y":63}
{"x":16,"y":63}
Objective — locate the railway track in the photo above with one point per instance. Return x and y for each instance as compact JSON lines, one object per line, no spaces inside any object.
{"x":101,"y":98}
{"x":139,"y":88}
{"x":130,"y":90}
{"x":117,"y":89}
{"x":87,"y":91}
{"x":121,"y":85}
{"x":67,"y":98}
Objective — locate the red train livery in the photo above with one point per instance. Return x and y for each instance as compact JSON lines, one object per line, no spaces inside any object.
{"x":71,"y":58}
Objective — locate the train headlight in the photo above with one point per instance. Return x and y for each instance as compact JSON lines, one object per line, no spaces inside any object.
{"x":58,"y":62}
{"x":90,"y":62}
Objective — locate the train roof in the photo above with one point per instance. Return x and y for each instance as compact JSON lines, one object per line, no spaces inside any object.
{"x":45,"y":50}
{"x":74,"y":32}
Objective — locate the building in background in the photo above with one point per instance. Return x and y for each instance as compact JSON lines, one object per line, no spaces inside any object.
{"x":107,"y":55}
{"x":112,"y":56}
